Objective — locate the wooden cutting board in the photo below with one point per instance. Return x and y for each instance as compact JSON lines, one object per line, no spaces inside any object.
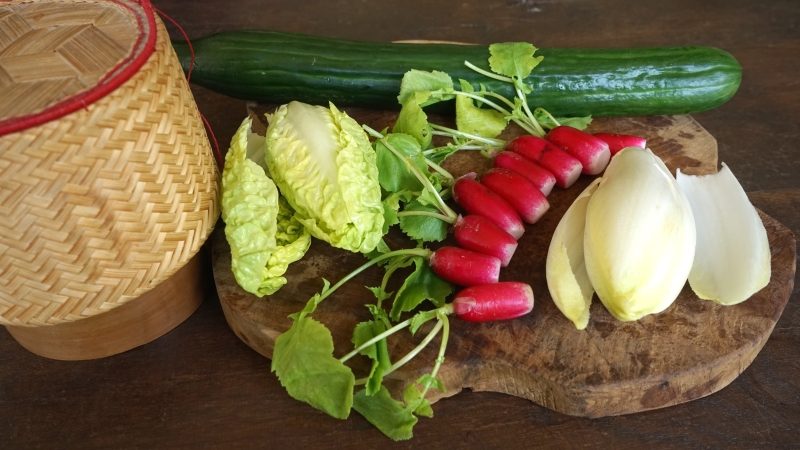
{"x":691,"y":350}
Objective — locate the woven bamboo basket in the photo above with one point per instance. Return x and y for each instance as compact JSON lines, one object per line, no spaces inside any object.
{"x":108,"y":186}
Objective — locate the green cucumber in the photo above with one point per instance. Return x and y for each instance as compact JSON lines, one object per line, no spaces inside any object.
{"x":279,"y":67}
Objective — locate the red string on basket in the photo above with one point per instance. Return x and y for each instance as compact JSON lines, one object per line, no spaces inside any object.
{"x":217,"y":153}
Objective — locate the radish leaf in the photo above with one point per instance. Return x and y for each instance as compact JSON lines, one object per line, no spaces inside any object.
{"x":304,"y":363}
{"x":475,"y":120}
{"x":515,"y":60}
{"x":547,"y":120}
{"x":413,"y":121}
{"x":421,"y":285}
{"x":420,"y":406}
{"x":378,"y":352}
{"x":393,"y":173}
{"x":385,"y":413}
{"x":417,"y":225}
{"x":438,"y":84}
{"x":421,"y":318}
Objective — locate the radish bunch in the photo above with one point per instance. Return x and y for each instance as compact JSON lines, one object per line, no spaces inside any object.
{"x":514,"y":192}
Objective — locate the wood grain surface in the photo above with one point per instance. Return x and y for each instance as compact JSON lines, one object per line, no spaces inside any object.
{"x":201,"y":387}
{"x":689,"y":351}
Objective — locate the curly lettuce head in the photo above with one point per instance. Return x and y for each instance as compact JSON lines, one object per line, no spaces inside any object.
{"x":260,"y":227}
{"x":324,"y":165}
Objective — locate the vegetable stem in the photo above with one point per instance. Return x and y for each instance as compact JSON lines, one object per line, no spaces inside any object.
{"x":487,"y":73}
{"x":439,"y":169}
{"x":440,"y":130}
{"x":415,"y":351}
{"x":549,"y":116}
{"x":446,"y":210}
{"x":485,"y":101}
{"x":441,"y":217}
{"x":528,"y":112}
{"x":375,"y":339}
{"x":444,"y":321}
{"x":406,"y":251}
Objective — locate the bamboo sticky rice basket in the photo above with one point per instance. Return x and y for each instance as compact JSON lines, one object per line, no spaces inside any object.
{"x":108,"y":186}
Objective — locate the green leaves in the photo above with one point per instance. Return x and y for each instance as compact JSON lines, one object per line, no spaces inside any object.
{"x":421,"y":285}
{"x":378,"y":352}
{"x":417,"y":225}
{"x":386,"y":413}
{"x":475,"y":120}
{"x":413,"y":121}
{"x":304,"y":363}
{"x":260,"y":227}
{"x":548,"y":121}
{"x":412,"y":198}
{"x":437,"y":84}
{"x":514,"y":60}
{"x":396,"y":174}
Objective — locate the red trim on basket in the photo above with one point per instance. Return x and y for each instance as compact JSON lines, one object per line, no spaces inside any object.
{"x":119,"y":74}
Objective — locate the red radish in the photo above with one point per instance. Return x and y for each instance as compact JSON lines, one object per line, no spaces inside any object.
{"x":476,"y":198}
{"x":561,"y":164}
{"x":465,"y":267}
{"x":480,"y":234}
{"x":520,"y":193}
{"x":498,"y":301}
{"x":538,"y":175}
{"x":592,"y":152}
{"x":617,"y":142}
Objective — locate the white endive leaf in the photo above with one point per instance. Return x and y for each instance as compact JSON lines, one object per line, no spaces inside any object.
{"x":567,"y":279}
{"x":732,"y":261}
{"x":639,"y":240}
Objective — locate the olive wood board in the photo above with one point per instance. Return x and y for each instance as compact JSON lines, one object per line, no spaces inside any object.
{"x":689,"y":351}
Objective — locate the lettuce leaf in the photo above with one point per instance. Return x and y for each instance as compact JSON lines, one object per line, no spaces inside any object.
{"x":324,"y":165}
{"x":261,"y":230}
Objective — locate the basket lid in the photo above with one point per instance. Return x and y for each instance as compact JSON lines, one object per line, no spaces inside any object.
{"x":60,"y":56}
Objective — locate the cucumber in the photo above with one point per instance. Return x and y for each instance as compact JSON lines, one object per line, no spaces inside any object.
{"x":278,"y":67}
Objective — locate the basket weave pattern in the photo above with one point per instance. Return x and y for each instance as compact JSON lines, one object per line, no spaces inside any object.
{"x":101,"y":205}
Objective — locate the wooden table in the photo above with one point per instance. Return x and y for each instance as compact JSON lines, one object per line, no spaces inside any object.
{"x":201,"y":387}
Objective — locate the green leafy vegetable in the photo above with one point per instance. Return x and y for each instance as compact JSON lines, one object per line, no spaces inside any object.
{"x":421,"y":285}
{"x":412,"y":395}
{"x":386,"y":414}
{"x":438,"y":84}
{"x":514,"y":60}
{"x":324,"y":165}
{"x":472,"y":119}
{"x":304,"y":363}
{"x":413,"y":121}
{"x":548,"y":121}
{"x":421,"y":318}
{"x":378,"y":352}
{"x":261,"y":229}
{"x":394,"y":173}
{"x":423,"y":223}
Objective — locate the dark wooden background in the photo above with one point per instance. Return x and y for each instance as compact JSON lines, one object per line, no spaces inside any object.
{"x":200,"y":387}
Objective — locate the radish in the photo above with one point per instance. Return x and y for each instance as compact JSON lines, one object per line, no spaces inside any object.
{"x":564,"y":167}
{"x":538,"y":175}
{"x":530,"y":203}
{"x":480,"y":234}
{"x":476,"y":198}
{"x":498,"y":301}
{"x":465,"y":267}
{"x":617,"y":142}
{"x":591,"y":151}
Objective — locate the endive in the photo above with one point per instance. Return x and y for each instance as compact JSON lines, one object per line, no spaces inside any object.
{"x":567,"y":279}
{"x":732,"y":261}
{"x":638,"y":242}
